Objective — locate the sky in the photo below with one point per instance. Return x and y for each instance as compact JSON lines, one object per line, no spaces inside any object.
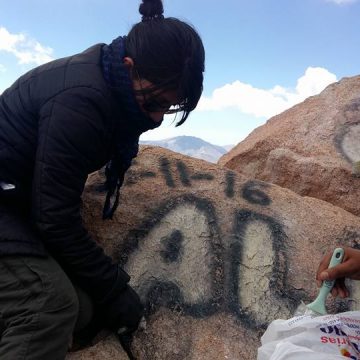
{"x":262,"y":56}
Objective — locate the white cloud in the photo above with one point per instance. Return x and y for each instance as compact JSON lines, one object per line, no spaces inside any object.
{"x":24,"y":48}
{"x":314,"y":81}
{"x":263,"y":102}
{"x":342,"y":2}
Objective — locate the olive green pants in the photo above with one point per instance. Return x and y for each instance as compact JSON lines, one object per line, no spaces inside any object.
{"x":39,"y":308}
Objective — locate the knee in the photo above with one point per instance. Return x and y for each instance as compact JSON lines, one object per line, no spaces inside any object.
{"x":62,"y":304}
{"x":53,"y":291}
{"x":68,"y":305}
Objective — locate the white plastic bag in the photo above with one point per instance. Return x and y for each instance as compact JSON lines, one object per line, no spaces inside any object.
{"x":328,"y":337}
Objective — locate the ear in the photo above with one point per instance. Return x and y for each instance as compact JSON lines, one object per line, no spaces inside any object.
{"x":129,"y":62}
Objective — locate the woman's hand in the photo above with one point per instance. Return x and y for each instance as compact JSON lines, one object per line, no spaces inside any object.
{"x":349,"y":268}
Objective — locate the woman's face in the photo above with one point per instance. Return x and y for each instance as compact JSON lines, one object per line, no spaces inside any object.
{"x":155,"y":104}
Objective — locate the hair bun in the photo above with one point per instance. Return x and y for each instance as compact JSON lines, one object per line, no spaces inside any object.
{"x":151,"y":9}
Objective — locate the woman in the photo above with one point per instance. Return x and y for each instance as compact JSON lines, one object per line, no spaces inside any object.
{"x":58,"y":123}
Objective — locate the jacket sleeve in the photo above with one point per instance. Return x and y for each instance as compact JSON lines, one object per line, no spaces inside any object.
{"x":71,"y":141}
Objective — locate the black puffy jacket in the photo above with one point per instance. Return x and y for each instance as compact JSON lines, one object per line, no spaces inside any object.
{"x":57,"y":125}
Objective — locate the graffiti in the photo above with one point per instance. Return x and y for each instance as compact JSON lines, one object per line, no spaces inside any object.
{"x":200,"y":176}
{"x":176,"y":261}
{"x":347,"y":137}
{"x":230,"y":181}
{"x":251,"y":191}
{"x":348,"y":142}
{"x":257,"y":269}
{"x":350,"y":237}
{"x":215,"y":258}
{"x":172,"y":247}
{"x":165,"y":169}
{"x":184,"y":174}
{"x":147,"y":174}
{"x":254,"y":195}
{"x":178,"y":257}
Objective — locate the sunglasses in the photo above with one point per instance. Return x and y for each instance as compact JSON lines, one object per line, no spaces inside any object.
{"x":153,"y":104}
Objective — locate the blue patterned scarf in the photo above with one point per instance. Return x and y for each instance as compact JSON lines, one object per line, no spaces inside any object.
{"x":132,"y":122}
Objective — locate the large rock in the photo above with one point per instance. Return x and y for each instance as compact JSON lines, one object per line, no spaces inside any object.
{"x":312,"y":148}
{"x":214,"y":256}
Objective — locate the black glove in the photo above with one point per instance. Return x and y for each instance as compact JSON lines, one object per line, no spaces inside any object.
{"x":124,"y":311}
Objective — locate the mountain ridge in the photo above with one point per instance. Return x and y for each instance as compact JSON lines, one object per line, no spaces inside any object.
{"x":191,"y":146}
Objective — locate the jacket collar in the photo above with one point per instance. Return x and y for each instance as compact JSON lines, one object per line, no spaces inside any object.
{"x":118,"y":78}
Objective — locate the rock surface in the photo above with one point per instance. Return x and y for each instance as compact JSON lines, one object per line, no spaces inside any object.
{"x":214,"y":255}
{"x":312,"y":148}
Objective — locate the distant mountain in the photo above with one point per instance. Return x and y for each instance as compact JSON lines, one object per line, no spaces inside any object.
{"x":191,"y":146}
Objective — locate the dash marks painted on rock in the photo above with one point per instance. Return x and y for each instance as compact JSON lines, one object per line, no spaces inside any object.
{"x":202,"y":176}
{"x":185,"y":176}
{"x":165,"y":168}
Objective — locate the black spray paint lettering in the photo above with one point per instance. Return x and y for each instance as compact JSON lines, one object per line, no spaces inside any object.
{"x":277,"y":284}
{"x":254,"y":195}
{"x":170,"y":270}
{"x":161,"y":289}
{"x":230,"y":182}
{"x":165,"y":169}
{"x":251,"y":191}
{"x":173,"y":247}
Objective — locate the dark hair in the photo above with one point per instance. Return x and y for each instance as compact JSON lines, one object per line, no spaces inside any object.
{"x":169,"y":53}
